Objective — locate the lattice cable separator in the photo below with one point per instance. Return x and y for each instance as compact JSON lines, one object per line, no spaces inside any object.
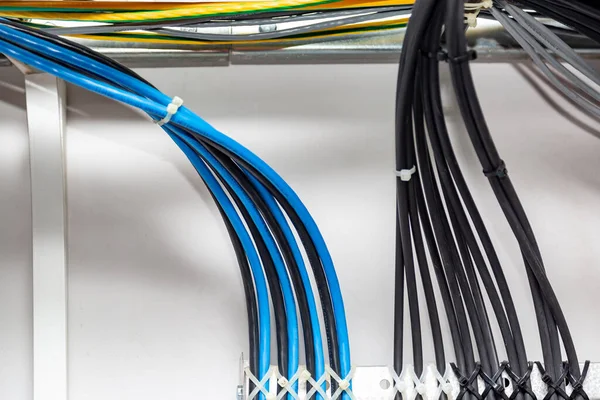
{"x":383,"y":383}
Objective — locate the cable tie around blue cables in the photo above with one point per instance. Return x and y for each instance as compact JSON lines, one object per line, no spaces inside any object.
{"x":172,"y":109}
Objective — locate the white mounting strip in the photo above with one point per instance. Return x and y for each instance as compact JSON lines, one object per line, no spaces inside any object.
{"x":382,"y":383}
{"x":46,"y":113}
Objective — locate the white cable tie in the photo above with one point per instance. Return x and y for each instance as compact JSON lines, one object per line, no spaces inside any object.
{"x":317,"y":386}
{"x":172,"y":109}
{"x":406,"y":174}
{"x":287,"y":385}
{"x":478,"y":6}
{"x":344,"y":384}
{"x":282,"y":381}
{"x":259,"y":386}
{"x":305,"y":375}
{"x":473,"y":11}
{"x":472,"y":19}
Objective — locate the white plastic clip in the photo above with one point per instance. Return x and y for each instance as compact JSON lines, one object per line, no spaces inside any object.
{"x":172,"y":109}
{"x":406,"y":174}
{"x":343,"y":384}
{"x":305,"y":375}
{"x":472,"y":19}
{"x":473,"y":9}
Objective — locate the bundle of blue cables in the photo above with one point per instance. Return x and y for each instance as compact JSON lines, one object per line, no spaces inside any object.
{"x":262,"y":213}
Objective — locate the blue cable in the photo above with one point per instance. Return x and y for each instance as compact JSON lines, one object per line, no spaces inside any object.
{"x":84,"y":62}
{"x":284,"y":279}
{"x":264,"y":314}
{"x":188,"y":120}
{"x":297,"y":254}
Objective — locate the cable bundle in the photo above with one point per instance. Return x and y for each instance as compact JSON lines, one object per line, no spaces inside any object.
{"x":287,"y":22}
{"x":543,"y":46}
{"x":255,"y":202}
{"x":438,"y":224}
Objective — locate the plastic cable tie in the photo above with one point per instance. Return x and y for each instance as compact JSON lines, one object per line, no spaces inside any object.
{"x":471,"y":19}
{"x":398,"y":386}
{"x":406,"y":174}
{"x":498,"y":172}
{"x":305,"y":375}
{"x":478,"y":6}
{"x":343,"y":384}
{"x":473,"y":10}
{"x":466,"y":57}
{"x":259,"y":386}
{"x":317,"y":386}
{"x":287,"y":385}
{"x":172,"y":109}
{"x":447,"y":388}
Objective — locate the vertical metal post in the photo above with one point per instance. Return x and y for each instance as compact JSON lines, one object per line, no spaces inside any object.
{"x":46,"y":112}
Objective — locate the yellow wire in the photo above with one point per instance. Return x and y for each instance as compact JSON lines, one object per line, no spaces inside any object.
{"x":100,"y":5}
{"x":208,"y":9}
{"x":327,"y":33}
{"x":188,"y":11}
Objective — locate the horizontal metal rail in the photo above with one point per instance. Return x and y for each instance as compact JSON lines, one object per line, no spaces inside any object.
{"x":490,"y":41}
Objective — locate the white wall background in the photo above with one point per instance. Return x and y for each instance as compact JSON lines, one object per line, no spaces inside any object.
{"x":156,"y":304}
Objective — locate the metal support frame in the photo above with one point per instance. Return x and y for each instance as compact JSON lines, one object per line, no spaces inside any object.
{"x":46,"y":112}
{"x":492,"y":43}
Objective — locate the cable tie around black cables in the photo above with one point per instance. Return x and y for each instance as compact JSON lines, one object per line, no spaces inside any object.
{"x":499,"y":172}
{"x":439,"y":55}
{"x":521,"y":384}
{"x":498,"y":382}
{"x":470,"y":55}
{"x":577,"y":384}
{"x":466,"y":384}
{"x":555,"y":387}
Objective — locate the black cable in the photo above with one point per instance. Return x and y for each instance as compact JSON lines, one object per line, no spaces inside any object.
{"x":311,"y":252}
{"x":439,"y":136}
{"x":466,"y":279}
{"x":411,"y":280}
{"x":517,"y":356}
{"x":417,"y":233}
{"x":443,"y":234}
{"x":491,"y":162}
{"x":272,"y":280}
{"x":283,"y":245}
{"x":249,"y":295}
{"x":403,"y":122}
{"x":567,"y":16}
{"x":427,"y":215}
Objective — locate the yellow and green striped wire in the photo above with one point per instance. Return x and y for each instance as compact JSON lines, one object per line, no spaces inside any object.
{"x":123,"y":12}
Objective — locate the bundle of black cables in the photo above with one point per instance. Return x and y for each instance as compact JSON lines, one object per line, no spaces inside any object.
{"x":438,"y":223}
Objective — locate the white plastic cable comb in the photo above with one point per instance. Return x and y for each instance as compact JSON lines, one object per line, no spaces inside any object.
{"x":382,"y":383}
